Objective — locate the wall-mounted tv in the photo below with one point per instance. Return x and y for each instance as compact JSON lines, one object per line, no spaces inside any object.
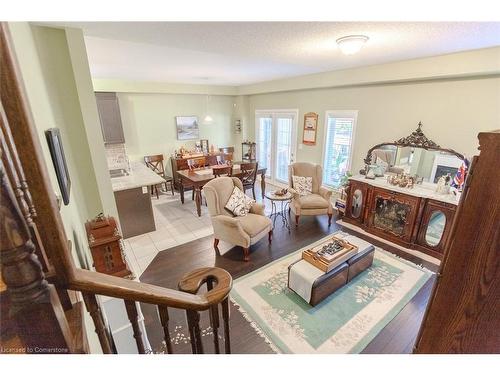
{"x":58,"y":159}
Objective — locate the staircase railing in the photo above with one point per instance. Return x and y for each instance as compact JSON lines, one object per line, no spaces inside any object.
{"x":33,"y":244}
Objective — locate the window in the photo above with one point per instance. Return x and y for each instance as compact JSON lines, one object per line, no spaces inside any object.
{"x":264,"y":143}
{"x":337,"y":149}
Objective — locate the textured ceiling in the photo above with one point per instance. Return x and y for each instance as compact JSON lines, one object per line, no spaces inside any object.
{"x":237,"y":53}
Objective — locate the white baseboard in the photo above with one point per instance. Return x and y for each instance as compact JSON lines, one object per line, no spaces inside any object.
{"x":416,"y":253}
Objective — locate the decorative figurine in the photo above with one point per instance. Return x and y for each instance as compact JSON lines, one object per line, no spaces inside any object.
{"x":370,"y":174}
{"x":443,"y":184}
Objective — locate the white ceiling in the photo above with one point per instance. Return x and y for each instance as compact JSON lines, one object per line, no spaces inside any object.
{"x":238,"y":53}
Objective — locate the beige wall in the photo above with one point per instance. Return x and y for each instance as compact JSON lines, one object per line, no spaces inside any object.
{"x":52,"y":93}
{"x":90,"y":118}
{"x":452,"y":111}
{"x":149,"y":121}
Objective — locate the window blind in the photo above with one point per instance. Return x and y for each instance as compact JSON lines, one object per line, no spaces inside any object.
{"x":337,"y":149}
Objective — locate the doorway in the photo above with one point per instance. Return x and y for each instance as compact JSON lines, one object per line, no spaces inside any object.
{"x":275,"y":134}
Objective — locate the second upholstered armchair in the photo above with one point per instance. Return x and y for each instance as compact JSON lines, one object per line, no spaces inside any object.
{"x":239,"y":230}
{"x":311,"y":198}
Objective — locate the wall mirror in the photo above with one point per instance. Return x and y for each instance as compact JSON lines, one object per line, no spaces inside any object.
{"x":414,"y":155}
{"x":435,"y":228}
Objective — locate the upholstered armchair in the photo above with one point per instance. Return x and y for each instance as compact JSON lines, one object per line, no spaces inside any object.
{"x":316,"y":203}
{"x":242,"y":231}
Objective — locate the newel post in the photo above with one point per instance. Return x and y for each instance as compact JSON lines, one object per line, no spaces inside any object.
{"x":34,"y":304}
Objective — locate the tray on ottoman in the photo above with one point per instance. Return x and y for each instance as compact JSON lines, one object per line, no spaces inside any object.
{"x":314,"y":285}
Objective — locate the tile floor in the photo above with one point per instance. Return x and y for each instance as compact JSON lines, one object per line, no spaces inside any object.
{"x":176,"y":224}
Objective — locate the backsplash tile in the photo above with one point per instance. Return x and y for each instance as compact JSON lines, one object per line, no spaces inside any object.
{"x":116,"y":155}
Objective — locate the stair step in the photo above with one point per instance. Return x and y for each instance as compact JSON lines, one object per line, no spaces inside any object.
{"x":10,"y":341}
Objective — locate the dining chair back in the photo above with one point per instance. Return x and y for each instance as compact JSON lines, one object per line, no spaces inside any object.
{"x":196,"y":163}
{"x":223,"y":171}
{"x":155,"y":163}
{"x":249,"y":176}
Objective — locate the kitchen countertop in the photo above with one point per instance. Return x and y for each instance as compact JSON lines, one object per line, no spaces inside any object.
{"x":139,"y":176}
{"x":426,"y":190}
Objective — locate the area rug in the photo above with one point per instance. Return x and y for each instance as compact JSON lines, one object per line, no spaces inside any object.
{"x":343,"y":323}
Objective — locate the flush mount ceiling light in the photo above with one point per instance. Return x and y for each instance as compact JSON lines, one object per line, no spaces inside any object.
{"x":351,"y":44}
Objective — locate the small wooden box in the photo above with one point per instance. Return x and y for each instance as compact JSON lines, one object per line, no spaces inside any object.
{"x":105,"y":246}
{"x":327,"y":264}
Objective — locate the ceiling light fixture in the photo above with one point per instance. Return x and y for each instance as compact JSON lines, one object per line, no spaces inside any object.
{"x":351,"y":44}
{"x":207,"y":119}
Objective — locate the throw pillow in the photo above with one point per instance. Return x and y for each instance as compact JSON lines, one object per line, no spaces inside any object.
{"x":302,"y":185}
{"x":238,"y":203}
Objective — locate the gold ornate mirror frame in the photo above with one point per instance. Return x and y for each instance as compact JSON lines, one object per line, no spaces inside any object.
{"x":416,"y":139}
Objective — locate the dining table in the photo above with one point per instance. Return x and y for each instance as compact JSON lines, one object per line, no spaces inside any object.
{"x":196,"y":178}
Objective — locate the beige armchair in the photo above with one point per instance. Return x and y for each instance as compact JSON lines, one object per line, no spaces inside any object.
{"x":317,"y":203}
{"x":242,"y":231}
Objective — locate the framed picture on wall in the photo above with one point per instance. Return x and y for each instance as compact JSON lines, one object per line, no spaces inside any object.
{"x":187,"y":127}
{"x":310,"y":128}
{"x":59,"y":160}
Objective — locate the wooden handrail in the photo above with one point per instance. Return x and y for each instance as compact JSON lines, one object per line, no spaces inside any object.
{"x":27,"y":168}
{"x":112,"y":286}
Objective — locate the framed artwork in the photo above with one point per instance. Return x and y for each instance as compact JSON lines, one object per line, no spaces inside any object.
{"x":187,"y":127}
{"x":59,"y":160}
{"x":310,"y":128}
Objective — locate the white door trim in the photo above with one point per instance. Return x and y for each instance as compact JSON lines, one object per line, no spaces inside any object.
{"x":273,"y":114}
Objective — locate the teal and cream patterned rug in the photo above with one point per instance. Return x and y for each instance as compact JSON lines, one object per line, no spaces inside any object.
{"x":343,"y":323}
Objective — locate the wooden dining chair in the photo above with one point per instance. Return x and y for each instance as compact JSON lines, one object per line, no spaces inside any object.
{"x":249,"y":176}
{"x":223,"y":171}
{"x":195,"y":163}
{"x":213,"y":160}
{"x":155,"y":163}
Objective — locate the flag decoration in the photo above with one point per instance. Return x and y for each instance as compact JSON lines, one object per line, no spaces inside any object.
{"x":459,"y":179}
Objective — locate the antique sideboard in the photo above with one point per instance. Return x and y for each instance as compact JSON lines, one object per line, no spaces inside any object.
{"x":417,"y":218}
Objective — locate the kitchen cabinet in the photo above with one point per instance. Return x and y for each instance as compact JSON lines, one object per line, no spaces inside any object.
{"x":109,"y":115}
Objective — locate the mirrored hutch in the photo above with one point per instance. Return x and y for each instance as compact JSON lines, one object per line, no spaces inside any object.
{"x":396,"y":195}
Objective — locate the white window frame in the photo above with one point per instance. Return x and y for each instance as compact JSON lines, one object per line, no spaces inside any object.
{"x":272,"y":113}
{"x":339,"y":113}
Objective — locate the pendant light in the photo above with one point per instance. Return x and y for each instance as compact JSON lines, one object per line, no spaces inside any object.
{"x":207,"y":119}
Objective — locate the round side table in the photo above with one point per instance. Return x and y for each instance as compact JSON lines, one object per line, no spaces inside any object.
{"x":279,"y":207}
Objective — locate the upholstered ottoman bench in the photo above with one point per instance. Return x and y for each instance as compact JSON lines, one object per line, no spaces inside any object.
{"x":314,"y":285}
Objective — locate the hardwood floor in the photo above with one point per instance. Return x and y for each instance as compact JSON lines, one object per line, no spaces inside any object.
{"x":169,"y":266}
